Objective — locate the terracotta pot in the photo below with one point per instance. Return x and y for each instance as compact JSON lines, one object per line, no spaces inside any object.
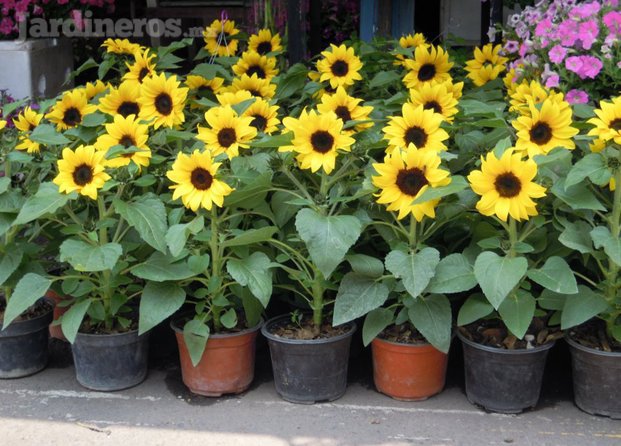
{"x":55,"y":330}
{"x":408,"y":372}
{"x":227,"y":364}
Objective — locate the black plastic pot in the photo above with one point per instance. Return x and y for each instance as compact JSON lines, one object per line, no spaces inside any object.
{"x":111,"y":362}
{"x":308,"y":371}
{"x":24,"y":346}
{"x":596,"y":380}
{"x":500,"y":380}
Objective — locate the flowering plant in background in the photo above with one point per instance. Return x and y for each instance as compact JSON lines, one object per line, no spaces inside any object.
{"x":576,"y":42}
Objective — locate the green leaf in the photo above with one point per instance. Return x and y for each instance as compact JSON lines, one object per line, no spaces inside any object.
{"x":198,"y":264}
{"x":195,"y":335}
{"x":209,"y":71}
{"x":73,"y":318}
{"x":158,"y":301}
{"x":251,"y":236}
{"x":292,"y":81}
{"x":385,"y":78}
{"x":47,"y":200}
{"x":148,"y":216}
{"x":366,"y":265}
{"x":328,"y":238}
{"x":577,"y":196}
{"x":549,"y":300}
{"x":576,"y":236}
{"x":414,"y":270}
{"x":9,"y":262}
{"x":177,"y":235}
{"x":474,"y":308}
{"x":47,"y":134}
{"x":162,"y":268}
{"x":375,"y":322}
{"x":592,"y":165}
{"x":229,"y":318}
{"x":252,"y":307}
{"x":581,"y":307}
{"x":602,"y":238}
{"x":454,"y":274}
{"x":5,"y":182}
{"x":457,"y":184}
{"x":254,"y":272}
{"x":517,"y":312}
{"x":555,"y":275}
{"x":357,"y":295}
{"x":497,"y":275}
{"x":432,"y":317}
{"x":250,"y":195}
{"x":273,"y":141}
{"x":85,"y":257}
{"x":28,"y":290}
{"x":94,"y":120}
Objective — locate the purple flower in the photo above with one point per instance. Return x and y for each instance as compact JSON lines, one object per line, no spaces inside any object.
{"x":557,"y":54}
{"x":553,"y":81}
{"x":588,"y":33}
{"x":585,"y":10}
{"x":511,"y":46}
{"x":568,"y":32}
{"x":577,"y":97}
{"x":543,"y":27}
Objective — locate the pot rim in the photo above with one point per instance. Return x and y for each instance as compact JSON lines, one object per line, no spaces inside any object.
{"x":591,"y":350}
{"x":426,"y":344}
{"x":265,"y":332}
{"x":504,"y":351}
{"x":177,"y":329}
{"x":34,"y":320}
{"x":110,"y":335}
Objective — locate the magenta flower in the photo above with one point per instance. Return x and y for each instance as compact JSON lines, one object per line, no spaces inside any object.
{"x":577,"y":97}
{"x":573,"y":63}
{"x":6,"y":26}
{"x":557,"y":54}
{"x":553,"y":81}
{"x":588,"y":33}
{"x":591,"y":66}
{"x":568,"y":32}
{"x":585,"y":10}
{"x":612,"y":20}
{"x":543,"y":27}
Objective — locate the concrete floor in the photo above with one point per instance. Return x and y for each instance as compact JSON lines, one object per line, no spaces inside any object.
{"x":51,"y":408}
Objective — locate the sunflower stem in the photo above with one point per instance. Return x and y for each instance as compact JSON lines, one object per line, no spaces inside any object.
{"x":215,"y":263}
{"x":297,"y":184}
{"x":513,"y":236}
{"x":318,"y":303}
{"x":412,"y":237}
{"x":107,"y":274}
{"x":613,"y":268}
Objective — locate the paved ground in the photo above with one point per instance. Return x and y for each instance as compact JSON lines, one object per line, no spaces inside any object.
{"x":51,"y":408}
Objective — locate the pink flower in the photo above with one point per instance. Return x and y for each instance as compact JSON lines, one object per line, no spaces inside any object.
{"x":585,"y":10}
{"x":588,"y":33}
{"x":612,"y":20}
{"x":577,"y":97}
{"x":76,"y":16}
{"x":568,"y":32}
{"x":543,"y":27}
{"x":591,"y":66}
{"x":573,"y":63}
{"x":6,"y":26}
{"x":553,"y":81}
{"x":511,"y":46}
{"x":557,"y":54}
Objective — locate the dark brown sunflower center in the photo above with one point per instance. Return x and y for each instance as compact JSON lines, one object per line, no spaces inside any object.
{"x":259,"y":122}
{"x":204,"y":89}
{"x":343,"y":113}
{"x":615,"y":124}
{"x":340,"y":68}
{"x":32,"y":126}
{"x":322,"y":141}
{"x":226,"y":137}
{"x":143,"y":73}
{"x":255,"y":93}
{"x":541,"y":133}
{"x":164,"y":104}
{"x":72,"y":117}
{"x":256,"y":69}
{"x":416,"y":136}
{"x":507,"y":185}
{"x":83,"y":174}
{"x":264,"y":47}
{"x":128,"y":108}
{"x":411,"y":181}
{"x":433,"y":105}
{"x":426,"y":72}
{"x":201,"y":179}
{"x":127,"y":141}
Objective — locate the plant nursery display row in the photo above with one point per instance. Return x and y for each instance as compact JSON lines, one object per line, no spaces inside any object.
{"x":406,"y":190}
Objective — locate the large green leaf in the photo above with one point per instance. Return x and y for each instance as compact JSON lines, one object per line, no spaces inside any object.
{"x":47,"y":134}
{"x":254,"y":272}
{"x":432,"y":317}
{"x":474,"y":308}
{"x":252,"y":236}
{"x":28,"y":290}
{"x":414,"y":270}
{"x":457,"y":184}
{"x":454,"y":274}
{"x":517,"y":312}
{"x":592,"y":165}
{"x":162,"y":268}
{"x":549,"y":300}
{"x":576,"y":236}
{"x":581,"y":307}
{"x":195,"y":335}
{"x":357,"y":295}
{"x":602,"y":238}
{"x":148,"y":216}
{"x":328,"y":238}
{"x":73,"y":318}
{"x":177,"y":235}
{"x":86,"y":257}
{"x":158,"y":301}
{"x":366,"y":265}
{"x":292,"y":81}
{"x":577,"y":196}
{"x":375,"y":322}
{"x":46,"y":201}
{"x":555,"y":275}
{"x":9,"y":262}
{"x":497,"y":275}
{"x":5,"y":183}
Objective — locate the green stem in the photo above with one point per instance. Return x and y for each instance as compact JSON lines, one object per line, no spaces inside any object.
{"x":107,"y":274}
{"x":318,"y":303}
{"x":412,"y":236}
{"x":613,"y":268}
{"x":215,"y":262}
{"x":513,"y":236}
{"x":297,"y":184}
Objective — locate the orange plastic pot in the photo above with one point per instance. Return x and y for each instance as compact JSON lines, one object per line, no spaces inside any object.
{"x":408,"y":372}
{"x":55,"y":330}
{"x":226,"y":367}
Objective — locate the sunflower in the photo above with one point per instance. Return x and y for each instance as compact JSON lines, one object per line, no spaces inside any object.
{"x":597,"y":146}
{"x":2,"y":124}
{"x":202,"y":84}
{"x":545,"y":128}
{"x":142,"y":67}
{"x":404,"y":176}
{"x":219,"y":38}
{"x":264,"y":116}
{"x":317,"y":139}
{"x":252,"y":62}
{"x":121,"y":46}
{"x":340,"y":66}
{"x":429,"y":65}
{"x":506,"y":186}
{"x":81,"y":171}
{"x":228,"y":132}
{"x":163,"y":100}
{"x":510,"y":80}
{"x":195,"y":181}
{"x":27,"y":120}
{"x":526,"y":92}
{"x":263,"y":42}
{"x":127,"y":132}
{"x":486,"y":65}
{"x":93,"y":89}
{"x":417,"y":126}
{"x":27,"y":144}
{"x":410,"y":41}
{"x":261,"y":88}
{"x":122,"y":100}
{"x":608,"y":121}
{"x":346,"y":108}
{"x":230,"y":98}
{"x":435,"y":97}
{"x":454,"y":88}
{"x":482,"y":75}
{"x":69,"y":111}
